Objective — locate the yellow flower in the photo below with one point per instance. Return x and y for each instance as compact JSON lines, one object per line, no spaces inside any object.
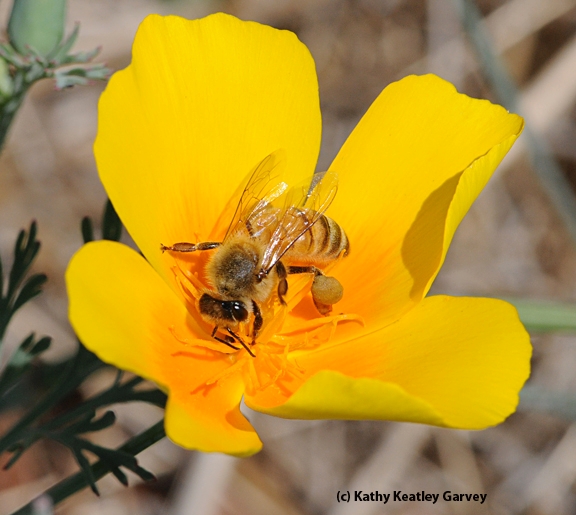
{"x":203,"y":103}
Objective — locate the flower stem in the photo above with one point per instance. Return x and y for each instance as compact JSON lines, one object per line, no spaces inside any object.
{"x":78,"y":481}
{"x":541,"y":316}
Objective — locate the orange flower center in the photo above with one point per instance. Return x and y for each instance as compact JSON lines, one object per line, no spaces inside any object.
{"x":273,"y":361}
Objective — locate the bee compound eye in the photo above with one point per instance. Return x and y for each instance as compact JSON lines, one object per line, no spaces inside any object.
{"x":239,"y":312}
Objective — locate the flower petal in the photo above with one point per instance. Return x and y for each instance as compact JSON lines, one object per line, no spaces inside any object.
{"x":408,"y":174}
{"x":332,"y":395}
{"x":203,"y":102}
{"x":209,"y":419}
{"x":130,"y":318}
{"x":456,"y":362}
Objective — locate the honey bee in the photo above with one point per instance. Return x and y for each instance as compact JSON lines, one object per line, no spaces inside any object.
{"x":275,"y":231}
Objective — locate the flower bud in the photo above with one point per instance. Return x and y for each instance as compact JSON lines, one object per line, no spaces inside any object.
{"x":38,"y":24}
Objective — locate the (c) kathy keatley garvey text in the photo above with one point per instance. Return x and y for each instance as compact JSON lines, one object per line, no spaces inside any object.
{"x":400,"y":496}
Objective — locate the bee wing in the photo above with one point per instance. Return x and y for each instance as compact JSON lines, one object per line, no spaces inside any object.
{"x":303,"y":208}
{"x":259,"y":197}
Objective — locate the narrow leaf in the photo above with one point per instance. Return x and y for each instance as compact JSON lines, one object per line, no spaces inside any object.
{"x":61,"y":51}
{"x":10,"y":55}
{"x":86,"y":469}
{"x":31,"y":289}
{"x":120,"y":476}
{"x":111,"y":224}
{"x":155,"y":397}
{"x":25,"y":251}
{"x":30,"y":242}
{"x":19,"y":362}
{"x":75,"y":483}
{"x":42,"y":345}
{"x":15,"y":457}
{"x":119,"y":458}
{"x":87,"y":229}
{"x":98,"y":424}
{"x":21,"y":356}
{"x":143,"y":474}
{"x":18,"y":247}
{"x":97,"y":72}
{"x":82,"y":57}
{"x":26,"y":345}
{"x":64,"y":81}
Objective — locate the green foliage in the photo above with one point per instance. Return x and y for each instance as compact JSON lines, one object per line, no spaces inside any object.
{"x":545,"y":316}
{"x":21,"y":361}
{"x":17,"y":289}
{"x":51,"y":384}
{"x":29,"y":66}
{"x":78,"y":481}
{"x":68,"y":427}
{"x":35,"y":51}
{"x":30,"y":56}
{"x":111,"y":224}
{"x":87,"y":229}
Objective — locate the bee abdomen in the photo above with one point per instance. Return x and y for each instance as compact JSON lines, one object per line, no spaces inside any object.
{"x":337,"y":240}
{"x":325,"y":240}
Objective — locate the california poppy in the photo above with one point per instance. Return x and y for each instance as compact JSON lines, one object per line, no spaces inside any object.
{"x":202,"y":103}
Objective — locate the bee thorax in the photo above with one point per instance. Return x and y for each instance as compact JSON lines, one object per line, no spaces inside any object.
{"x":233,"y":270}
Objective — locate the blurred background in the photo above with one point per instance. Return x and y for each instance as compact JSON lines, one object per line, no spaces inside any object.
{"x":517,"y":241}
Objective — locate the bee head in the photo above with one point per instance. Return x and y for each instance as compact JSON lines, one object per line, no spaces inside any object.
{"x":223,"y":310}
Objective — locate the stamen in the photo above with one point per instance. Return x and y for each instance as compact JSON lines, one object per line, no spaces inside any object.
{"x":270,"y":361}
{"x":273,"y":324}
{"x":311,"y":333}
{"x":192,"y":279}
{"x":198,"y":342}
{"x":225,"y":373}
{"x":267,"y":368}
{"x":250,"y":378}
{"x":188,"y":286}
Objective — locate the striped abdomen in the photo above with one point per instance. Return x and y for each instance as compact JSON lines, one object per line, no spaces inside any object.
{"x":325,"y":241}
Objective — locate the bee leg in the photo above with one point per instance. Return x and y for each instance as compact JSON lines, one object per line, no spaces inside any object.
{"x":304,"y":270}
{"x":240,"y":341}
{"x":325,"y":290}
{"x":184,"y":246}
{"x":228,"y":341}
{"x":258,"y":321}
{"x":282,"y":282}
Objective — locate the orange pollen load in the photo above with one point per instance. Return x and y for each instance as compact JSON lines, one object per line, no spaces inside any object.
{"x":273,"y":362}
